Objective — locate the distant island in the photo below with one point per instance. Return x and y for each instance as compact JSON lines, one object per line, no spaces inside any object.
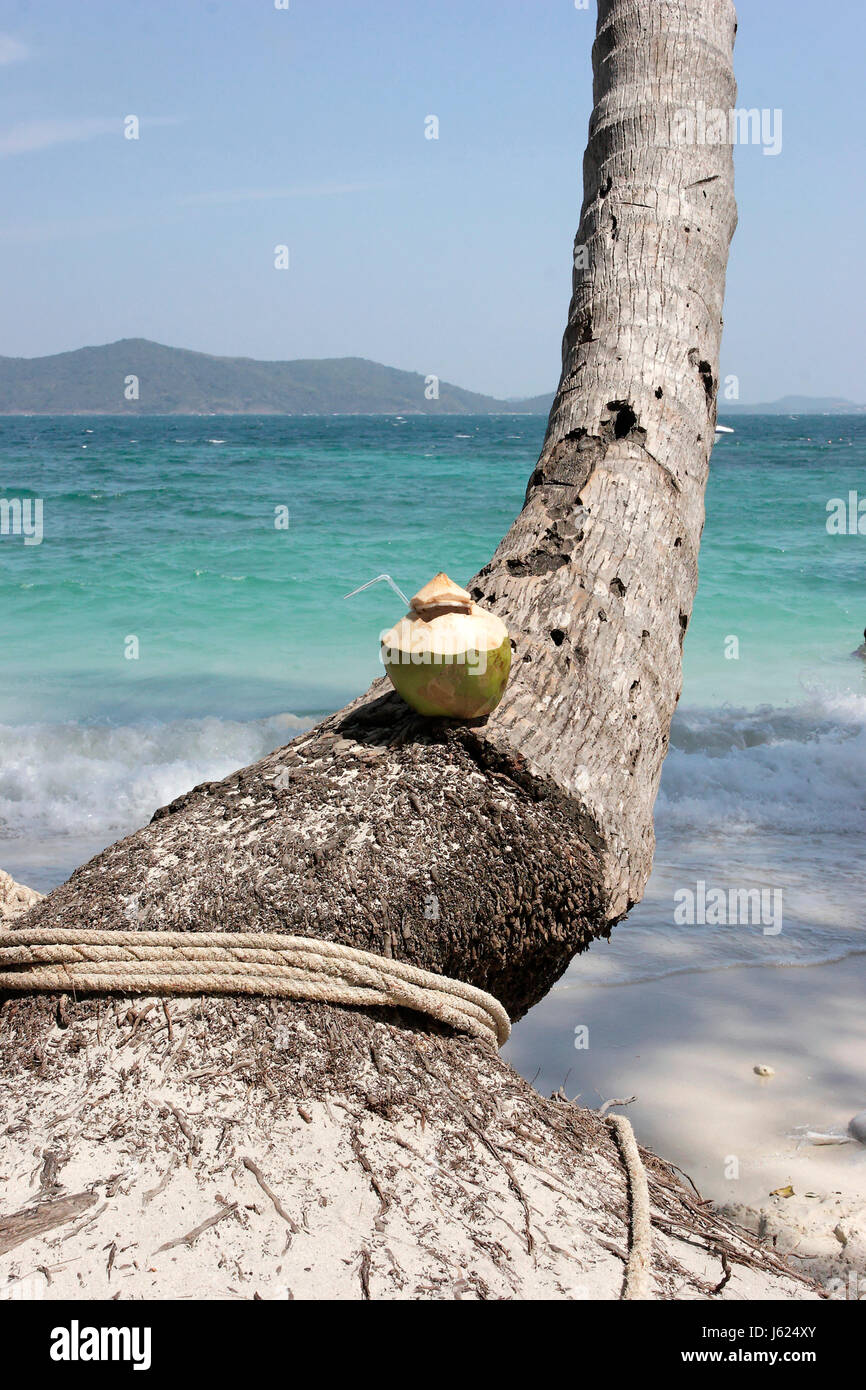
{"x":794,"y":405}
{"x":137,"y":377}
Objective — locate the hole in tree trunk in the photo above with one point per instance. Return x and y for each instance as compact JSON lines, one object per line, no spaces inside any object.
{"x":624,"y":418}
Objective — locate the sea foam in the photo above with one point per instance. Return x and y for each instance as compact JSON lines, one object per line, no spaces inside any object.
{"x":67,"y":790}
{"x":772,"y":798}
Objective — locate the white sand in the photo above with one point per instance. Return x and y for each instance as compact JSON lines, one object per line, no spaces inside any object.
{"x":687,"y":1046}
{"x":178,"y":1211}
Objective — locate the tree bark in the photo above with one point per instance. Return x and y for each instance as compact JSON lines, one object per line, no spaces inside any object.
{"x":492,"y":852}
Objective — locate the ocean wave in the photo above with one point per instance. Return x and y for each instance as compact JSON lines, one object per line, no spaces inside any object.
{"x":767,"y":797}
{"x":779,"y":770}
{"x":772,"y":798}
{"x":790,"y":770}
{"x":95,"y":782}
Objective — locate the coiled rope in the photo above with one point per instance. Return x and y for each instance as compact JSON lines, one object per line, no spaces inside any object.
{"x":46,"y":959}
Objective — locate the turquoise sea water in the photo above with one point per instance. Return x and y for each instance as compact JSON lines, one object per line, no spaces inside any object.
{"x":162,"y":530}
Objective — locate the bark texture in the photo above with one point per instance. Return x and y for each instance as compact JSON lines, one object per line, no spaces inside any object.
{"x":491,"y":852}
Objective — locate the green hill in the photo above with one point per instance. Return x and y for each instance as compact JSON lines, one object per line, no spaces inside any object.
{"x":795,"y":405}
{"x":173,"y":381}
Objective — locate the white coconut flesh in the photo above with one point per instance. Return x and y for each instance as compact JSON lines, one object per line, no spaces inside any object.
{"x":443,"y":633}
{"x":443,"y":624}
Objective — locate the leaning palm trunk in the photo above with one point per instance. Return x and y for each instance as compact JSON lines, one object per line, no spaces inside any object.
{"x":223,"y":1146}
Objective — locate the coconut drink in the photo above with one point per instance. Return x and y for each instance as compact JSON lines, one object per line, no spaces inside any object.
{"x":448,"y":657}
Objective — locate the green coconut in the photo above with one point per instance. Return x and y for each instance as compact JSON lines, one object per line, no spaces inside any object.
{"x":448,"y":658}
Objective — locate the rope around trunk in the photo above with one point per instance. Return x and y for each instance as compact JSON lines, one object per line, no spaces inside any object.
{"x":46,"y":959}
{"x":637,"y":1270}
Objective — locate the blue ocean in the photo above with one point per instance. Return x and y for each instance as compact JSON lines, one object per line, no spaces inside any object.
{"x":182,"y":613}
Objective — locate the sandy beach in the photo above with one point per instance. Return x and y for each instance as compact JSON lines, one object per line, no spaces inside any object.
{"x":686,"y":1047}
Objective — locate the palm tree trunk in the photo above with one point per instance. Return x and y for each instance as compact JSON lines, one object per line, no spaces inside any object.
{"x":492,"y":853}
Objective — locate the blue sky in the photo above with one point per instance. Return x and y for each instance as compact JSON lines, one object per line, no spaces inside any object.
{"x":305,"y":127}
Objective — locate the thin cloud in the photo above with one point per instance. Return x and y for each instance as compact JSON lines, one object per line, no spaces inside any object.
{"x":26,"y":137}
{"x":12,"y":50}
